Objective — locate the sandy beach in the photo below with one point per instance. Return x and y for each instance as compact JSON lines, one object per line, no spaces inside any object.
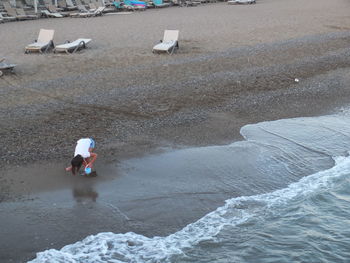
{"x":236,"y":65}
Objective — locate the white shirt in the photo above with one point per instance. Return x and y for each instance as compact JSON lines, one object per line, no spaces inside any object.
{"x":82,"y":148}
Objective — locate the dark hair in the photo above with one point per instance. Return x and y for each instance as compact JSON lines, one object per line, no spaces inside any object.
{"x":76,"y":162}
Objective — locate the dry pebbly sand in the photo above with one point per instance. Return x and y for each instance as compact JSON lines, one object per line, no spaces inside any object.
{"x":236,"y":65}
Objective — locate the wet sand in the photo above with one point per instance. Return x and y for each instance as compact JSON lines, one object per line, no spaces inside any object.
{"x":236,"y":65}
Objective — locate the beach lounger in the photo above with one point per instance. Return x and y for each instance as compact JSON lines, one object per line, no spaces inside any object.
{"x":62,"y":4}
{"x":29,"y":3}
{"x":80,"y":3}
{"x":97,"y":3}
{"x":108,"y":7}
{"x":22,"y":13}
{"x":47,"y":13}
{"x":176,"y":2}
{"x":128,"y":7}
{"x":82,"y":8}
{"x":5,"y":67}
{"x":6,"y":5}
{"x":54,"y":9}
{"x":12,"y":12}
{"x":44,"y":42}
{"x":19,"y":13}
{"x":120,"y":6}
{"x":191,"y":3}
{"x":97,"y":12}
{"x":117,"y":5}
{"x":70,"y":5}
{"x":241,"y":2}
{"x":139,"y":4}
{"x":169,"y":42}
{"x":7,"y":18}
{"x":107,"y":3}
{"x":19,"y":4}
{"x":136,"y":5}
{"x":72,"y":47}
{"x":46,"y":2}
{"x":92,"y":7}
{"x":160,"y":3}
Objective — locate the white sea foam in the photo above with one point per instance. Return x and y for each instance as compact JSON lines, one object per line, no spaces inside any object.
{"x":131,"y":247}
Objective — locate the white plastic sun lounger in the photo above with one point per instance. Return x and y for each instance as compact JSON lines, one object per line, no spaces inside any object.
{"x":5,"y":67}
{"x":241,"y":2}
{"x":44,"y":42}
{"x":7,"y":18}
{"x":49,"y":14}
{"x":73,"y":46}
{"x":70,"y":5}
{"x":56,"y":10}
{"x":169,"y":42}
{"x":13,"y":13}
{"x":97,"y":12}
{"x":22,"y":13}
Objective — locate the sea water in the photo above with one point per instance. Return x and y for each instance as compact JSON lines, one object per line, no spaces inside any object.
{"x":299,"y":210}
